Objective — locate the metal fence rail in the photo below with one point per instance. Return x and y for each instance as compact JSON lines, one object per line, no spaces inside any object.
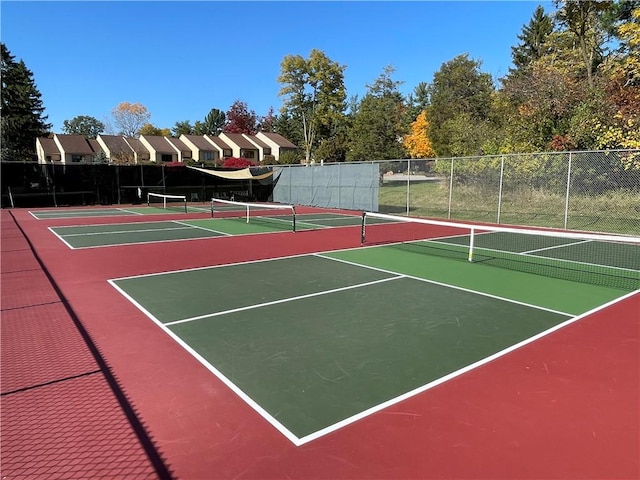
{"x":594,"y":191}
{"x":28,"y":184}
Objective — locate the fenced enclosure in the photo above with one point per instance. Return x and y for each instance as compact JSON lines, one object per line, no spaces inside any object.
{"x":593,"y":191}
{"x":26,"y":184}
{"x":352,"y":186}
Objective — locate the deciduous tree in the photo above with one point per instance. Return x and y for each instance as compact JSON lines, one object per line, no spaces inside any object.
{"x":85,"y":125}
{"x":267,"y":123}
{"x":129,"y":118}
{"x":417,"y":142}
{"x":239,"y":119}
{"x":314,"y":95}
{"x":459,"y":88}
{"x":150,"y":129}
{"x":584,"y":20}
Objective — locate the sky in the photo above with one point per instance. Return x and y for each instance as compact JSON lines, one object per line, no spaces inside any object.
{"x":180,"y":59}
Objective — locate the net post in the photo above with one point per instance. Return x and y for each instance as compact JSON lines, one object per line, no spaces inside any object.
{"x":148,"y":200}
{"x":186,"y":205}
{"x":247,"y":213}
{"x":211,"y":205}
{"x":471,"y":241}
{"x":293,"y":217}
{"x":362,"y":236}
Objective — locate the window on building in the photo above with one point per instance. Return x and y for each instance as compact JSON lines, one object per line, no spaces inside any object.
{"x":166,"y":157}
{"x":77,"y":158}
{"x":227,"y":152}
{"x":267,"y":151}
{"x":208,"y":156}
{"x":248,"y":153}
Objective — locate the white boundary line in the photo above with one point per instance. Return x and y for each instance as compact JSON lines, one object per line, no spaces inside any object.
{"x":186,"y":226}
{"x":553,"y":247}
{"x":530,"y":253}
{"x":203,"y":228}
{"x":61,"y":239}
{"x":285,"y":300}
{"x":246,"y":398}
{"x":455,"y":287}
{"x":472,"y":366}
{"x":120,"y":232}
{"x":73,"y":213}
{"x":298,"y":441}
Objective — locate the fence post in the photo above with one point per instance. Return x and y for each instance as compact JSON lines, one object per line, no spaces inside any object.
{"x":117,"y":167}
{"x":450,"y":189}
{"x":500,"y":190}
{"x":566,"y":201}
{"x":408,"y":183}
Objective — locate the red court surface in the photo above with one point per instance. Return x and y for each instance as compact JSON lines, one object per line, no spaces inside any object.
{"x":92,"y":389}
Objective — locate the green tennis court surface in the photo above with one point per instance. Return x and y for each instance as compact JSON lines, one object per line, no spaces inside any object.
{"x":112,"y":212}
{"x":87,"y":236}
{"x":316,"y":342}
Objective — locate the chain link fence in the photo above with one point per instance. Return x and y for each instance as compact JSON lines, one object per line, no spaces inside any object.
{"x":28,"y":184}
{"x":592,"y":191}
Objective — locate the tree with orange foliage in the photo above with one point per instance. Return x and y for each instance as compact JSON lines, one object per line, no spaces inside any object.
{"x":129,"y":118}
{"x":417,"y":142}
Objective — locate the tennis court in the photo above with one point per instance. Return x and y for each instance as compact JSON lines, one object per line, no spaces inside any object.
{"x":377,"y":350}
{"x":320,"y":341}
{"x":130,"y":211}
{"x":102,"y":235}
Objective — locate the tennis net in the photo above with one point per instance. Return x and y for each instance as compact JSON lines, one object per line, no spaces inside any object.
{"x":167,"y":202}
{"x":600,"y":259}
{"x":276,"y":215}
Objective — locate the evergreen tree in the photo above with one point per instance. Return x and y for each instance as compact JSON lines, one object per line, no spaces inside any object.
{"x":418,"y":100}
{"x":212,"y":123}
{"x":22,"y":112}
{"x":380,"y":122}
{"x":532,"y":40}
{"x":183,"y":127}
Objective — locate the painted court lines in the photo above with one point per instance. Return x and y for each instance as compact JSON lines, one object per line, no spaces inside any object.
{"x":335,"y":339}
{"x":102,"y":235}
{"x":62,"y":213}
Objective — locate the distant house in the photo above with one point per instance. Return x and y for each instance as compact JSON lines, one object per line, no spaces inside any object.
{"x":277,"y":143}
{"x":116,"y":149}
{"x":223,"y":148}
{"x":263,"y":148}
{"x":242,"y":148}
{"x":47,"y":150}
{"x":140,"y":152}
{"x":66,"y":149}
{"x":184,"y":152}
{"x":74,"y":149}
{"x":161,"y":150}
{"x":202,"y":149}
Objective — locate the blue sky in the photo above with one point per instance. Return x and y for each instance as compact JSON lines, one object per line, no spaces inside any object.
{"x":181,"y":59}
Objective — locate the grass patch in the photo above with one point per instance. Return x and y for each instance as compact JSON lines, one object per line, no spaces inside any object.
{"x":614,"y":212}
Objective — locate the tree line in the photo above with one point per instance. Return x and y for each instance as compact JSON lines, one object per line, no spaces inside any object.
{"x":574,"y":84}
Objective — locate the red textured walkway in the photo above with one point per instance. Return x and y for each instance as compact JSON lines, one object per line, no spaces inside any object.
{"x":563,"y":407}
{"x":60,"y":417}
